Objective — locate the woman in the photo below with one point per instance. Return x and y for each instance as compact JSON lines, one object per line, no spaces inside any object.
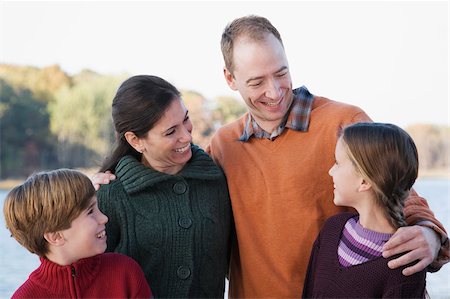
{"x":169,"y":207}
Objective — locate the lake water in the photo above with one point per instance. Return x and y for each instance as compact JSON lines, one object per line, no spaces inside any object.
{"x":16,"y":263}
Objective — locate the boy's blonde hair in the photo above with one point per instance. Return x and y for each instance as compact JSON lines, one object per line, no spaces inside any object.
{"x":46,"y":202}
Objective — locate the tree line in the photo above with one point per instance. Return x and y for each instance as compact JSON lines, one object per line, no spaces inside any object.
{"x":50,"y":119}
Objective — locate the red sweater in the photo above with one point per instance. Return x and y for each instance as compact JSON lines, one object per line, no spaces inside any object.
{"x":108,"y":275}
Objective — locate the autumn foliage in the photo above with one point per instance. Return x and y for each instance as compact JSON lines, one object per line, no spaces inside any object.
{"x":50,"y":119}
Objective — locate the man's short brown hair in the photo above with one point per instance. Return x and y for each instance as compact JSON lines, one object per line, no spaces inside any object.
{"x":253,"y":27}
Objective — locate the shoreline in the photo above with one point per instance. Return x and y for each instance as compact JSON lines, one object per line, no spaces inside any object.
{"x":434,"y":174}
{"x":423,"y":175}
{"x":8,"y":184}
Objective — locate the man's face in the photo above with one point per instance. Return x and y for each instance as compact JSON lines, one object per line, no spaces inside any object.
{"x":261,"y":75}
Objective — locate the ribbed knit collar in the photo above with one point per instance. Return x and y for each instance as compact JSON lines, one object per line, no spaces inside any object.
{"x":136,"y":177}
{"x":367,"y":234}
{"x":57,"y":278}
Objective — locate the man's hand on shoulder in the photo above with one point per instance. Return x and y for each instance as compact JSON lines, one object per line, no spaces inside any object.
{"x":416,"y":243}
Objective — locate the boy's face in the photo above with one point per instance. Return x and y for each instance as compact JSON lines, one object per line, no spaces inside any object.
{"x":86,"y":236}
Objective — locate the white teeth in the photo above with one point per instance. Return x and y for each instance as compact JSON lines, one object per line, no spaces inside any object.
{"x":101,"y":234}
{"x":271,"y":104}
{"x":183,"y":149}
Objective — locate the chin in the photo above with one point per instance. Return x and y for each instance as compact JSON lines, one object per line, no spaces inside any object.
{"x":188,"y":156}
{"x":275,"y":115}
{"x":100,"y":251}
{"x":336,"y":202}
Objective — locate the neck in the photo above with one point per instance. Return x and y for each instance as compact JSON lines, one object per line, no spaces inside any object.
{"x":59,"y":258}
{"x":268,"y":126}
{"x":373,"y":217}
{"x":164,"y":169}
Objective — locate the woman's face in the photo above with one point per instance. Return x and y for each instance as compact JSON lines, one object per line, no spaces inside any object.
{"x":167,"y":146}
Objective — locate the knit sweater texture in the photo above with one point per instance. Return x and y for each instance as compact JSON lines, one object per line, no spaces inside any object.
{"x":107,"y":275}
{"x":358,"y":244}
{"x":175,"y":226}
{"x":326,"y":278}
{"x":281,"y":195}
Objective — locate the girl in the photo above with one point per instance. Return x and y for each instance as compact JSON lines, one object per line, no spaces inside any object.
{"x":376,"y":166}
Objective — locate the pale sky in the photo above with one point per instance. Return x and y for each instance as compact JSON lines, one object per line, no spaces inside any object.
{"x":390,"y":58}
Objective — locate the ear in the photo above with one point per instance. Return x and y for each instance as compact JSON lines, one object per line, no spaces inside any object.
{"x":55,"y":239}
{"x":229,"y":78}
{"x":365,"y":185}
{"x":134,"y":141}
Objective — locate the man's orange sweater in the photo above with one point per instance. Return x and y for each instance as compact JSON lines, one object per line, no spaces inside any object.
{"x":281,"y":195}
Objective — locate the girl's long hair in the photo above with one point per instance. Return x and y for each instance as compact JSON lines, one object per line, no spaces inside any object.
{"x":387,"y":156}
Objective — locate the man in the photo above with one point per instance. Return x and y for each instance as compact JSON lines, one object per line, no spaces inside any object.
{"x":276,"y":158}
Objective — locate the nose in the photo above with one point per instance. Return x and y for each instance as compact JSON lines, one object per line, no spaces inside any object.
{"x":103,"y":219}
{"x":186,"y":135}
{"x":330,"y":172}
{"x":273,"y":89}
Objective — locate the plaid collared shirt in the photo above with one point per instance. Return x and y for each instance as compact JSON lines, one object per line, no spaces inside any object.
{"x":297,"y":117}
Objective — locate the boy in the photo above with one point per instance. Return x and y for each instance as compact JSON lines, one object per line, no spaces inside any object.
{"x":55,"y":215}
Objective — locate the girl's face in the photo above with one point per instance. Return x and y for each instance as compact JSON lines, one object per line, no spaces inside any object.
{"x":167,"y":146}
{"x":346,"y":179}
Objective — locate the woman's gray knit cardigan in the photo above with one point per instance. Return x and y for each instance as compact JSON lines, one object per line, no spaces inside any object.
{"x":176,"y":227}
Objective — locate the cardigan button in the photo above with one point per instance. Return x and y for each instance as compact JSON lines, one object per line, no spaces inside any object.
{"x":179,"y":187}
{"x":185,"y":222}
{"x":183,"y":272}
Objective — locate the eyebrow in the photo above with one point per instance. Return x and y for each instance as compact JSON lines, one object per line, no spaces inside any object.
{"x":92,"y":205}
{"x":253,"y":79}
{"x":187,"y":111}
{"x":261,"y":77}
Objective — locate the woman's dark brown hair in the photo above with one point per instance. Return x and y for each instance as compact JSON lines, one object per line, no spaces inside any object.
{"x":138,"y":105}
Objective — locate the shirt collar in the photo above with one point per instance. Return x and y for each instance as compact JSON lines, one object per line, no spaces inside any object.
{"x":296,"y":118}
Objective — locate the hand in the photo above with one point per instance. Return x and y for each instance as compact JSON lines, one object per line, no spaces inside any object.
{"x":416,"y":243}
{"x":102,"y":178}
